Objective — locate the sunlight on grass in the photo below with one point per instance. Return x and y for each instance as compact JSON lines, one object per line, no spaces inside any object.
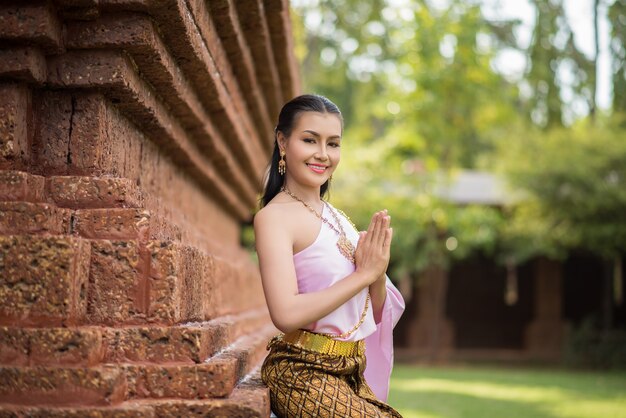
{"x":500,"y":392}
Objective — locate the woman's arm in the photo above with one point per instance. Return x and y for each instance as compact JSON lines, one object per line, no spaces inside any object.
{"x":290,"y":310}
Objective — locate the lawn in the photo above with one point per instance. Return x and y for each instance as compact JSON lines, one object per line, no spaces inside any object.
{"x":486,"y":392}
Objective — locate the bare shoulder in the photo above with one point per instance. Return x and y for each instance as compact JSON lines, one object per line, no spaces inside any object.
{"x":277,"y":216}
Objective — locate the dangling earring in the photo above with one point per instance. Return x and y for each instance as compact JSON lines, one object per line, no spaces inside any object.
{"x":281,"y":164}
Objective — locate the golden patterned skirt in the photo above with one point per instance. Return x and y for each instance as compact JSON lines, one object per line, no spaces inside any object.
{"x":310,"y":375}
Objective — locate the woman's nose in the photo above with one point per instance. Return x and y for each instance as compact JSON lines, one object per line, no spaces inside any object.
{"x":322,"y":154}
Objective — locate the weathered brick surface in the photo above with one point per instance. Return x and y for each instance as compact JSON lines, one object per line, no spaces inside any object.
{"x":126,"y":410}
{"x":33,"y":218}
{"x":217,"y":378}
{"x":62,"y":385}
{"x":21,"y":186}
{"x":133,"y":138}
{"x":69,"y":136}
{"x":92,"y":192}
{"x":31,"y":23}
{"x":279,"y":26}
{"x":15,"y":125}
{"x":23,"y":64}
{"x":112,"y":223}
{"x":243,"y":403}
{"x":115,"y":288}
{"x":224,"y":15}
{"x":254,"y":25}
{"x":178,"y":344}
{"x":42,"y":279}
{"x":57,"y":346}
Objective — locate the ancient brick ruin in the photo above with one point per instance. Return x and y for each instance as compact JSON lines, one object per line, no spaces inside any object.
{"x":133,"y":139}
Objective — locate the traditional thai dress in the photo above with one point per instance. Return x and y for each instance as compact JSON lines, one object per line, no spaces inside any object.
{"x":313,"y":376}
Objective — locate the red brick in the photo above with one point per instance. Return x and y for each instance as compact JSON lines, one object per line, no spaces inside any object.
{"x":15,"y":125}
{"x":252,"y":18}
{"x":138,"y":35}
{"x":242,"y":403}
{"x":14,"y":346}
{"x":279,"y":25}
{"x":208,"y":380}
{"x":42,"y":279}
{"x":115,"y":292}
{"x":33,"y":218}
{"x":249,"y":350}
{"x":62,"y":385}
{"x":166,"y":280}
{"x":126,"y":410}
{"x":178,"y":344}
{"x":114,"y":73}
{"x":112,"y":223}
{"x":186,"y":36}
{"x":50,"y":346}
{"x":21,"y":186}
{"x":70,"y":136}
{"x":31,"y":24}
{"x":93,"y":192}
{"x":23,"y":64}
{"x":225,"y":18}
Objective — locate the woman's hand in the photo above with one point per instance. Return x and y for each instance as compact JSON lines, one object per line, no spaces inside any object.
{"x":373,"y":249}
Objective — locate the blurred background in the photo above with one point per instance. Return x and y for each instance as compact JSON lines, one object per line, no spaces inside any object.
{"x":494,"y":132}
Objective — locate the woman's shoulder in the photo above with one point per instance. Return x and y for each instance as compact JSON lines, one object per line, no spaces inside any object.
{"x":274,"y":213}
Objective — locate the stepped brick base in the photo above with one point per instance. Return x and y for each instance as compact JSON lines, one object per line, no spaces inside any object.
{"x":134,"y":136}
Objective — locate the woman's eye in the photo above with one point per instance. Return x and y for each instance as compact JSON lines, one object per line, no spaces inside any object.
{"x":334,"y":144}
{"x":309,"y":140}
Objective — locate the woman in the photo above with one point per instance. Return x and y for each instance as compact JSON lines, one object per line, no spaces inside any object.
{"x":324,"y":282}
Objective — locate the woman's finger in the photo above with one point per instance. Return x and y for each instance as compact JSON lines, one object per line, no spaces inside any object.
{"x":384,"y":225}
{"x":388,"y":237}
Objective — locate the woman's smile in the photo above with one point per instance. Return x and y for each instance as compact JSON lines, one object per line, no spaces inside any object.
{"x":318,"y":168}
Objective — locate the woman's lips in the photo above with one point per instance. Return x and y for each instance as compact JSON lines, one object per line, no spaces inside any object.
{"x":319,"y":169}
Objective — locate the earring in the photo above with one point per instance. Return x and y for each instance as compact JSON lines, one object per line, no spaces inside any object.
{"x":281,"y":164}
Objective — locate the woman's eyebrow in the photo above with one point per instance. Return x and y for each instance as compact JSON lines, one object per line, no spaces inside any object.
{"x":318,"y":135}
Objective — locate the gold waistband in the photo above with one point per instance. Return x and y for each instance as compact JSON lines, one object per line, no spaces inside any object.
{"x":323,"y":344}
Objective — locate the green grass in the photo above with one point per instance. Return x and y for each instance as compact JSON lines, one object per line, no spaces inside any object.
{"x":486,"y":392}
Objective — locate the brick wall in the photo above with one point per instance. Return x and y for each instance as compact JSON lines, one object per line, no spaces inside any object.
{"x":133,"y":139}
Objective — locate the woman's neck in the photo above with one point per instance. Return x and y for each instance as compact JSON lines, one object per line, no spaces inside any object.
{"x":310,"y":195}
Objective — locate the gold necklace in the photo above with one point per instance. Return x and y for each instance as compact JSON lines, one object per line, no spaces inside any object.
{"x":343,"y":243}
{"x":345,"y":248}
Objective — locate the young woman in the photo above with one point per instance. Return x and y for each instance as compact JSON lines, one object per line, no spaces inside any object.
{"x":324,"y":282}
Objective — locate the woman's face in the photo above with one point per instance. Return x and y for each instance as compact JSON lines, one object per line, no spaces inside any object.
{"x":312,"y":152}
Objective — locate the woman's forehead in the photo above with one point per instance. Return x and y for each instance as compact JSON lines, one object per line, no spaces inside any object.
{"x":325,"y":124}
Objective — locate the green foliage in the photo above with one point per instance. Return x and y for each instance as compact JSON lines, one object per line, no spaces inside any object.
{"x":588,"y":346}
{"x":420,"y":98}
{"x":575,"y":180}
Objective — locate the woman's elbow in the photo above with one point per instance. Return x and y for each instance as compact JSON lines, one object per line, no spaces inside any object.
{"x":284,"y":323}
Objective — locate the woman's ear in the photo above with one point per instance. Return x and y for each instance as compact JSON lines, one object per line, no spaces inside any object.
{"x":282,"y":141}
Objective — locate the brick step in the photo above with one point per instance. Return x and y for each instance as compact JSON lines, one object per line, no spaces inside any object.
{"x":125,"y":410}
{"x":105,"y":385}
{"x":216,"y":377}
{"x":43,"y":280}
{"x":244,"y":401}
{"x":186,"y":344}
{"x":20,"y":186}
{"x":249,"y":350}
{"x":63,"y":280}
{"x":91,"y":345}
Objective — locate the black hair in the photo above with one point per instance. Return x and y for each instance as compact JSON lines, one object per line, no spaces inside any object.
{"x":286,"y":121}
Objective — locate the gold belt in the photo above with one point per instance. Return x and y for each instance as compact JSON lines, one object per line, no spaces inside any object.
{"x":323,"y":344}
